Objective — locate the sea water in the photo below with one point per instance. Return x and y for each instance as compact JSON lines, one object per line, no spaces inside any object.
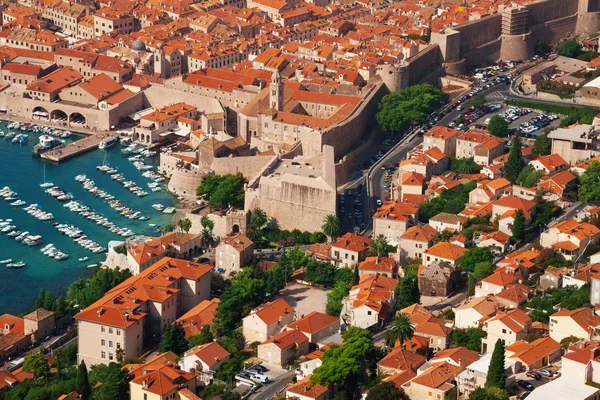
{"x":24,"y":173}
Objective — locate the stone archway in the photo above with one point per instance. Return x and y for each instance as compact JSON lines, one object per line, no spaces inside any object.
{"x":40,"y":113}
{"x":77,"y":118}
{"x":59,"y":116}
{"x":235,"y":229}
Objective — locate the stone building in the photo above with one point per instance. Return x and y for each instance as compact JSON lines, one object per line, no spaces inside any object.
{"x":233,"y":253}
{"x":39,"y":323}
{"x":439,"y":279}
{"x":284,"y":347}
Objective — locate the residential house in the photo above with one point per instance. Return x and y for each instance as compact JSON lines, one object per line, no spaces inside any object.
{"x":198,"y":317}
{"x":458,"y":356}
{"x":392,"y":219}
{"x":284,"y":347}
{"x":39,"y":323}
{"x":443,"y":138}
{"x":440,"y":278}
{"x":443,"y":251}
{"x":506,"y":207}
{"x":498,"y":241}
{"x":434,"y":383}
{"x":415,"y":241}
{"x":160,"y":379}
{"x":399,"y":360}
{"x":370,"y":302}
{"x":508,"y":326}
{"x":559,"y":183}
{"x":131,"y":316}
{"x":549,"y":165}
{"x":487,"y":190}
{"x":476,"y":311}
{"x":411,"y":183}
{"x":304,"y":390}
{"x":553,"y":277}
{"x":444,"y":221}
{"x":378,"y":265}
{"x":580,"y":323}
{"x":433,"y":329}
{"x":267,"y":320}
{"x":316,"y":326}
{"x":233,"y":253}
{"x":141,"y":255}
{"x":482,"y":147}
{"x":570,"y":238}
{"x":350,"y":249}
{"x":514,"y":296}
{"x":494,"y":283}
{"x":204,"y":360}
{"x":12,"y":337}
{"x":531,"y":356}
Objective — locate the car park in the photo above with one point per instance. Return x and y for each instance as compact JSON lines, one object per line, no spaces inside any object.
{"x":534,"y":374}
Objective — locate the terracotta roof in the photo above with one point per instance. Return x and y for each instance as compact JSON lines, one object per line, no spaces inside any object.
{"x":530,"y":353}
{"x":413,"y":179}
{"x":516,"y":294}
{"x":500,"y":279}
{"x":448,"y":218}
{"x":162,"y":377}
{"x":402,"y":360}
{"x":239,"y":242}
{"x":271,"y":312}
{"x":12,"y":324}
{"x":54,"y":81}
{"x":396,"y":210}
{"x":516,"y":320}
{"x":447,"y":251}
{"x":287,"y":338}
{"x":353,"y":242}
{"x":552,"y":162}
{"x":198,"y":317}
{"x":584,"y":317}
{"x":307,"y":390}
{"x":437,"y":375}
{"x":441,"y":132}
{"x":39,"y":315}
{"x":485,"y":305}
{"x":210,"y":353}
{"x":459,"y":355}
{"x":379,"y":264}
{"x":313,"y":322}
{"x":498,"y":236}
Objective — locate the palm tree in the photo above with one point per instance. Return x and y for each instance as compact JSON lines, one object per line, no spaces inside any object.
{"x":258,"y":219}
{"x":207,"y":231}
{"x":331,"y":226}
{"x":400,"y":330}
{"x":380,"y":246}
{"x":184,"y":224}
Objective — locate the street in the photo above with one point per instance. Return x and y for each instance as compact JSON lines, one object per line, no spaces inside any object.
{"x":275,"y":388}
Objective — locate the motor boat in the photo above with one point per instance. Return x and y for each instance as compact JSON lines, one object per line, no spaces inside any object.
{"x":109,"y":142}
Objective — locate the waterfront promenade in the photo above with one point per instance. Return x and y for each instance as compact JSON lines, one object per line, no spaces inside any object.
{"x":72,"y":149}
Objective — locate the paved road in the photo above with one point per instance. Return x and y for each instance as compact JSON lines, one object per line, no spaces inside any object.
{"x":273,"y":389}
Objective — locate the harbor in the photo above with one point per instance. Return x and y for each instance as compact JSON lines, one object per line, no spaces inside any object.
{"x":75,"y":148}
{"x":56,"y":226}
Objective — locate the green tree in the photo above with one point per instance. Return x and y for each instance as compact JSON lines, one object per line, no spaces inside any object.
{"x":37,"y":365}
{"x":205,"y":336}
{"x":380,"y":246}
{"x":184,"y":224}
{"x":529,"y":177}
{"x":49,"y":301}
{"x":223,"y":191}
{"x":478,"y":101}
{"x":398,"y":110}
{"x":498,"y":126}
{"x":544,"y":212}
{"x":568,"y":341}
{"x":173,"y":339}
{"x":482,"y":270}
{"x":83,"y":383}
{"x":589,"y":188}
{"x":467,"y":337}
{"x":515,"y":162}
{"x":115,"y":383}
{"x":491,"y":393}
{"x":496,"y":376}
{"x":569,"y":48}
{"x":401,"y":329}
{"x":229,"y":369}
{"x":335,"y":297}
{"x":257,"y":221}
{"x":167,"y":228}
{"x":474,"y":256}
{"x":518,"y":228}
{"x":331,"y":226}
{"x":207,"y":231}
{"x":464,"y":165}
{"x":355,"y":276}
{"x":407,"y":292}
{"x":542,"y":145}
{"x":386,"y":391}
{"x":39,"y":302}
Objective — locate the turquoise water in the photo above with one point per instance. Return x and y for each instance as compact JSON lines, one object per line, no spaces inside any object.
{"x":23,"y":173}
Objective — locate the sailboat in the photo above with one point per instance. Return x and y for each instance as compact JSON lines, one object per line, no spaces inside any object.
{"x":46,"y":184}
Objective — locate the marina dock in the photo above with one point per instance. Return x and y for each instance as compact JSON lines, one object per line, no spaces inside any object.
{"x":72,"y":149}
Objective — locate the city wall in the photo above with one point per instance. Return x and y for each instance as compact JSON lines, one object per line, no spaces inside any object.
{"x":247,"y":166}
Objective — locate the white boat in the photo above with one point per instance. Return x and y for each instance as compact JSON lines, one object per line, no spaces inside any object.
{"x":82,"y":259}
{"x":109,"y":142}
{"x":19,"y":264}
{"x":6,"y":261}
{"x":92,"y":266}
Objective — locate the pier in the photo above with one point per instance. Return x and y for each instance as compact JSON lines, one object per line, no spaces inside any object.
{"x":72,"y":149}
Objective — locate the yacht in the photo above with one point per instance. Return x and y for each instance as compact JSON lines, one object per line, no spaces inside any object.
{"x":109,"y":142}
{"x":33,"y":240}
{"x":19,"y":264}
{"x":82,"y":259}
{"x":6,"y":261}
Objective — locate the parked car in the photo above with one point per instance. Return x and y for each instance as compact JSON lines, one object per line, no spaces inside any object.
{"x":261,"y":369}
{"x":525,"y":385}
{"x":534,"y":374}
{"x":545,"y":373}
{"x":260,"y":378}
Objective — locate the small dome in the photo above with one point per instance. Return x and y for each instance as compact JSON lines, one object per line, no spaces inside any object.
{"x":138,"y":45}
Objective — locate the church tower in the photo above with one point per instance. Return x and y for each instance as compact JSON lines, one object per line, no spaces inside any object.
{"x":276,"y":95}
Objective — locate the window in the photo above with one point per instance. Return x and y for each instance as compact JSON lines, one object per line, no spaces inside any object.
{"x":110,"y":356}
{"x":103,"y":355}
{"x":369,"y":312}
{"x":503,"y":330}
{"x":118,"y":345}
{"x":110,"y":343}
{"x":102,"y":329}
{"x":110,"y":330}
{"x":102,"y":342}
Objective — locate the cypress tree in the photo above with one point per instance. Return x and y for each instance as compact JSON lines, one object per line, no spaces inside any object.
{"x":83,"y":383}
{"x":495,"y":376}
{"x":515,"y":162}
{"x":518,"y":228}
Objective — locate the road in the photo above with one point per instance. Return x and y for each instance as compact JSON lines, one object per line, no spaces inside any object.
{"x":273,"y":389}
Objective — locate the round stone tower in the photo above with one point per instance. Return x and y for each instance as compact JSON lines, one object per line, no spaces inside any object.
{"x":588,"y":17}
{"x":394,"y":76}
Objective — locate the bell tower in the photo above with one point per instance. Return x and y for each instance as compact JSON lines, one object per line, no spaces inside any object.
{"x":276,"y":94}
